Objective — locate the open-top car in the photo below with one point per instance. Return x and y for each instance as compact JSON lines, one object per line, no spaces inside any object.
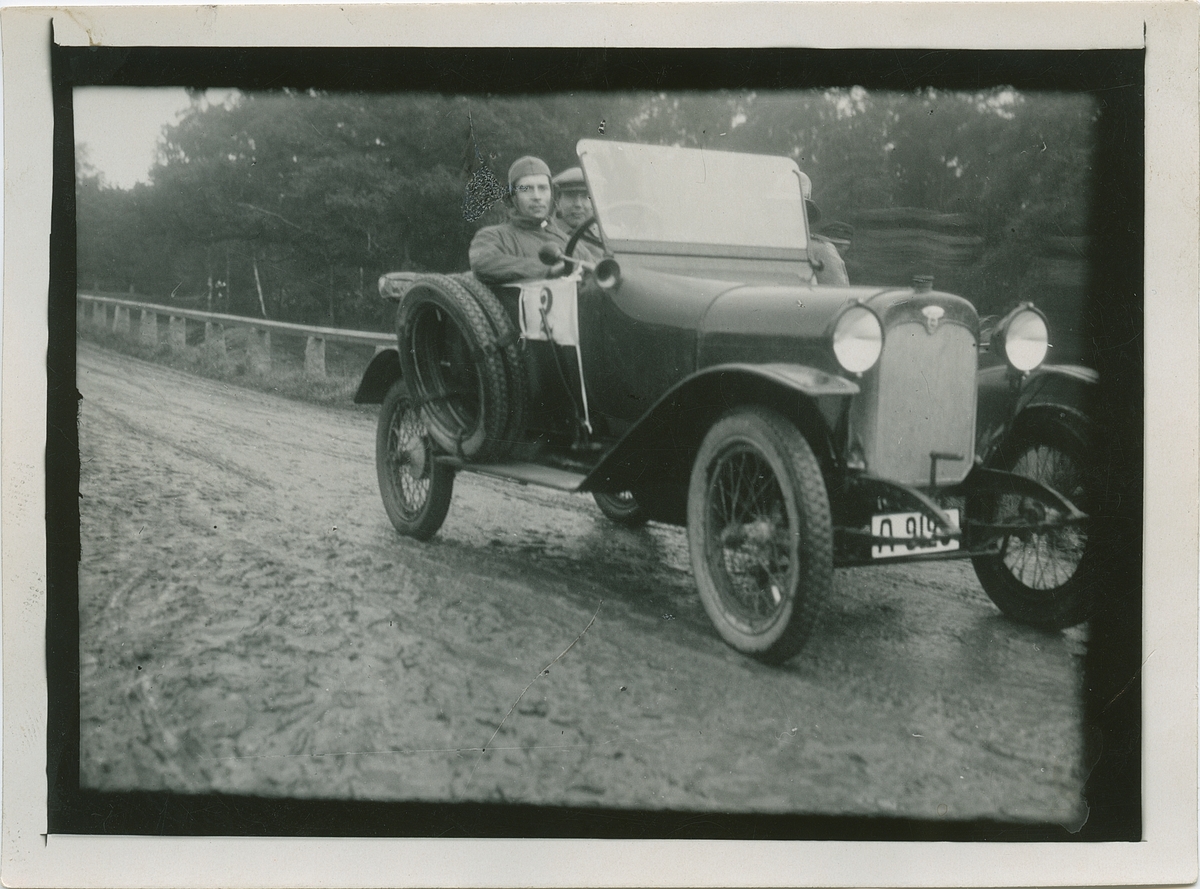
{"x":697,"y":375}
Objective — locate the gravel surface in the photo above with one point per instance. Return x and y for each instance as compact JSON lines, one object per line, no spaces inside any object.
{"x":251,"y":623}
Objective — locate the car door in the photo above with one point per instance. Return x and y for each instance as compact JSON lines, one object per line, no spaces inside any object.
{"x":636,"y":341}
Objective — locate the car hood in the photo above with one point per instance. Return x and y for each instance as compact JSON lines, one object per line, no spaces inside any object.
{"x":771,"y":310}
{"x":776,"y":323}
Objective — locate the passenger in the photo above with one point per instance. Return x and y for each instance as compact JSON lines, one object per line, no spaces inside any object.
{"x":573,"y":206}
{"x":840,"y":234}
{"x":827,"y":261}
{"x":501,"y":254}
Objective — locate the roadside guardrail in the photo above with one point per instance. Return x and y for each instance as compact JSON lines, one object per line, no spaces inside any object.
{"x":111,"y":313}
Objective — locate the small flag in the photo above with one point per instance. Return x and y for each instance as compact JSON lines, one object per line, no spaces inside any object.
{"x":550,"y":310}
{"x":483,"y":188}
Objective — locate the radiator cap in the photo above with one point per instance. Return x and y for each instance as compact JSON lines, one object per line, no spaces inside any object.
{"x":922,"y":283}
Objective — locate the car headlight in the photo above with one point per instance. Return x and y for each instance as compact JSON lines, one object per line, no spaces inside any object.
{"x":857,"y":339}
{"x":1024,"y":338}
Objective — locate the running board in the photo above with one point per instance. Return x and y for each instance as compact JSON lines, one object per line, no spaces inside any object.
{"x":525,"y":473}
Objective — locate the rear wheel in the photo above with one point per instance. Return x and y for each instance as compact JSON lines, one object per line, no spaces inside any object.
{"x":622,"y":508}
{"x":415,"y":488}
{"x":1044,"y":578}
{"x":759,"y":533}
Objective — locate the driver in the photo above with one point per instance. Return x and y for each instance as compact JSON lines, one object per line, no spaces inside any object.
{"x":501,"y":254}
{"x":574,"y":207}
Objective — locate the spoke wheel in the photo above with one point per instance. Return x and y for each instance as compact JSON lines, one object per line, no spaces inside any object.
{"x":759,"y":533}
{"x":415,"y":488}
{"x":1042,"y":576}
{"x":622,"y":508}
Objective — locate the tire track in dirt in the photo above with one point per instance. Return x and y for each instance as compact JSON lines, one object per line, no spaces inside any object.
{"x":217,"y":463}
{"x":250,"y":623}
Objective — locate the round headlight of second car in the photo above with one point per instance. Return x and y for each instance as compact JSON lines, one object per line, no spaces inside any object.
{"x":1026,"y":339}
{"x":857,"y":339}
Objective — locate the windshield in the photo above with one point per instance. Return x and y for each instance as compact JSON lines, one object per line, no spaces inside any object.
{"x":694,"y":200}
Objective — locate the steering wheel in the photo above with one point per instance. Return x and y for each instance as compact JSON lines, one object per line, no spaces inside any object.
{"x":639,"y":212}
{"x":580,"y":232}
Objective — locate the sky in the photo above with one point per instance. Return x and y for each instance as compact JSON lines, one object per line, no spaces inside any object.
{"x":120,"y":127}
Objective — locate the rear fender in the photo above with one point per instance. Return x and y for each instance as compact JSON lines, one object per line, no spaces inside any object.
{"x":378,"y":378}
{"x":656,"y":453}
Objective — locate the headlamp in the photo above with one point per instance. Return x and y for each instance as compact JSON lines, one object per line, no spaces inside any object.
{"x":857,"y":339}
{"x":1023,"y":337}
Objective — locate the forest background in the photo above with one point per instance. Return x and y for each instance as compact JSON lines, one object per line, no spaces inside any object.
{"x":291,"y":204}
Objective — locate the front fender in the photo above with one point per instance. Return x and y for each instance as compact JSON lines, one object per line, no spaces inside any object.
{"x":378,"y":378}
{"x":1063,"y":387}
{"x":659,"y":448}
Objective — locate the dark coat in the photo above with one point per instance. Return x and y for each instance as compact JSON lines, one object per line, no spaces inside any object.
{"x":501,"y":254}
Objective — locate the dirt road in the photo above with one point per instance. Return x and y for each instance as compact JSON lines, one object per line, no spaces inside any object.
{"x":250,"y":623}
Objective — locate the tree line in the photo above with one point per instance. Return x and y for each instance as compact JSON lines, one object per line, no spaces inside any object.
{"x":290,"y":204}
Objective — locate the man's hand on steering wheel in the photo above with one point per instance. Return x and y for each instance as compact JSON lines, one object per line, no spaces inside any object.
{"x":580,"y":233}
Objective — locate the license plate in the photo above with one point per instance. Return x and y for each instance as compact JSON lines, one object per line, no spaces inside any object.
{"x":908,"y":524}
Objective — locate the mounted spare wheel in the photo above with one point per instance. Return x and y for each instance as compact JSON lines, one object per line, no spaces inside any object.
{"x":452,"y":365}
{"x":512,"y":354}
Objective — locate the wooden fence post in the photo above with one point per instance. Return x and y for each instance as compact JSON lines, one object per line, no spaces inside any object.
{"x":214,"y":339}
{"x":314,"y":357}
{"x":258,"y":350}
{"x":176,"y":331}
{"x":93,"y":311}
{"x":149,"y":329}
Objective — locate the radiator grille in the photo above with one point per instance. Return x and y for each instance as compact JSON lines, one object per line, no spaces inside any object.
{"x":920,"y":400}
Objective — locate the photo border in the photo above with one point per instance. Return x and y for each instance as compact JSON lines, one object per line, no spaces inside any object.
{"x":1167,"y":853}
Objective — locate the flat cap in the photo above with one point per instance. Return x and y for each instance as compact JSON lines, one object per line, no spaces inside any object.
{"x":570,"y":179}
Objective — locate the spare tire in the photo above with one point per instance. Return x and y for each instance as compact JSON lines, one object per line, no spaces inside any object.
{"x":453,"y":367}
{"x":512,"y":354}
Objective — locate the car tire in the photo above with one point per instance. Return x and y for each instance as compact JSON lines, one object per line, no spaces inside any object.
{"x":450,"y":358}
{"x":622,"y":508}
{"x":512,"y":355}
{"x":1046,"y":580}
{"x":416,"y":489}
{"x":759,"y":533}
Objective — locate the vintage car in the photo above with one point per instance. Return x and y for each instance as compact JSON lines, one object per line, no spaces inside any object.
{"x":697,"y":375}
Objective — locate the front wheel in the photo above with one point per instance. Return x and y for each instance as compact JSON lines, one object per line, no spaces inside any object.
{"x":759,"y":533}
{"x":415,"y":488}
{"x":1043,"y":577}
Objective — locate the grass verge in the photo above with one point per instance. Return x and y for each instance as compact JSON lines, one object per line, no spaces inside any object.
{"x":344,"y":364}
